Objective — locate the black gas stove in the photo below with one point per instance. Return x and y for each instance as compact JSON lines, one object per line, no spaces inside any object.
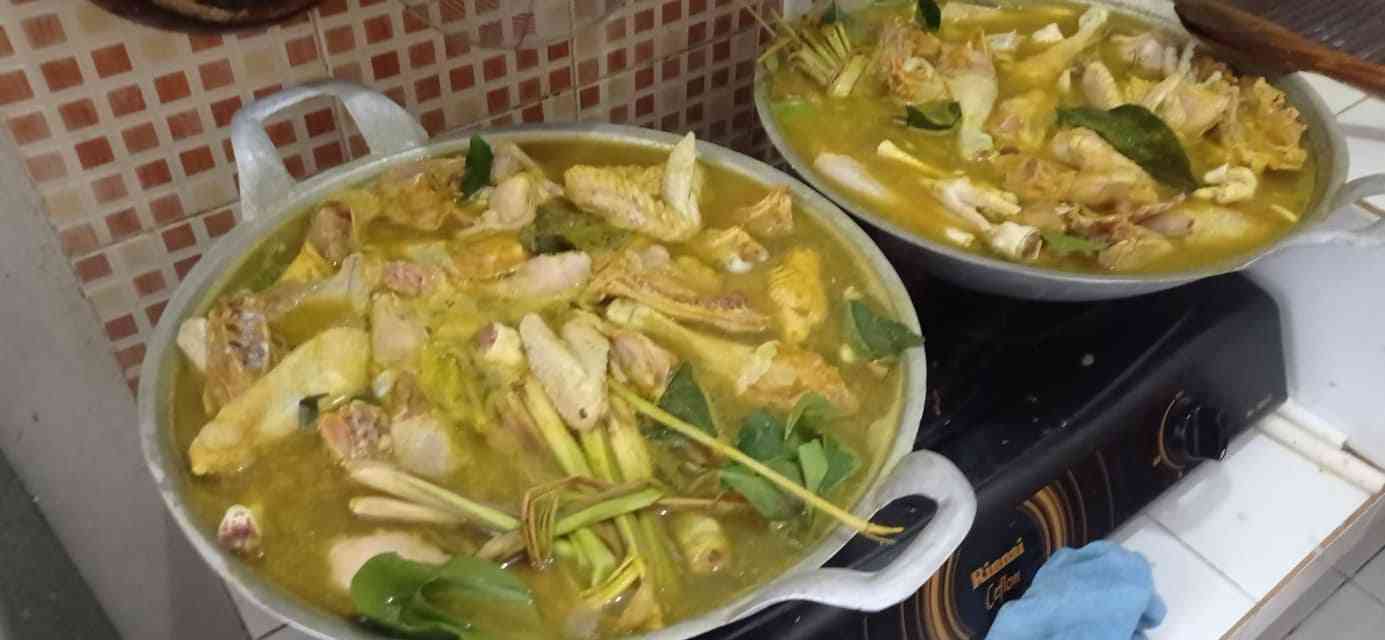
{"x":1067,"y":419}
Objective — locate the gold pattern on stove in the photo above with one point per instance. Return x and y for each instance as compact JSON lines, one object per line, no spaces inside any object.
{"x":937,"y":605}
{"x":988,"y":570}
{"x":995,"y":594}
{"x":1161,"y":454}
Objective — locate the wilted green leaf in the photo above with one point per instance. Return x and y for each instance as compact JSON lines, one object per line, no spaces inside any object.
{"x":874,"y":335}
{"x":1137,"y":133}
{"x":478,"y":166}
{"x":1064,"y":244}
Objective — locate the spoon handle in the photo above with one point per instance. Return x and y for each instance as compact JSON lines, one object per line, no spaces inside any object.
{"x":1271,"y":46}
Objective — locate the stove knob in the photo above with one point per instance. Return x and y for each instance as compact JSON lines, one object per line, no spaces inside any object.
{"x":1195,"y":431}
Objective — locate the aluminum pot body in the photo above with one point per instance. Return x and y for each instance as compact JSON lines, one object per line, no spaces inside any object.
{"x":271,"y":199}
{"x":1329,"y":218}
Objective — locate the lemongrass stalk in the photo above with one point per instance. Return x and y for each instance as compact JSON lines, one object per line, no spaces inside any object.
{"x":387,"y":479}
{"x":710,"y":505}
{"x":553,"y":431}
{"x":392,"y":510}
{"x":625,"y":576}
{"x":607,"y":509}
{"x":599,"y":457}
{"x":633,"y":459}
{"x":846,"y":80}
{"x":598,"y":555}
{"x":784,"y":484}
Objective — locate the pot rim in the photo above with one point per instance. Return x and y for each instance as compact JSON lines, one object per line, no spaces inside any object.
{"x":169,"y":471}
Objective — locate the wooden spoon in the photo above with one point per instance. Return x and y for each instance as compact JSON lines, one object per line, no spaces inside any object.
{"x":1266,"y":47}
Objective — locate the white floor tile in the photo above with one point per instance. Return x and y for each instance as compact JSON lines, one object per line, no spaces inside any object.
{"x":288,"y":633}
{"x":1338,"y":96}
{"x":1304,"y":606}
{"x":1371,"y":577}
{"x":1258,"y":513}
{"x":1364,"y":127}
{"x":1202,"y":603}
{"x":1350,"y":614}
{"x":257,"y":621}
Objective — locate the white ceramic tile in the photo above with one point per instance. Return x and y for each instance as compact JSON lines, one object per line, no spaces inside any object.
{"x":1350,"y":614}
{"x":1364,"y":127}
{"x":1338,"y":96}
{"x":1203,"y":604}
{"x":257,"y":621}
{"x":288,"y":633}
{"x":1372,"y":576}
{"x":1257,"y":514}
{"x":1368,"y":543}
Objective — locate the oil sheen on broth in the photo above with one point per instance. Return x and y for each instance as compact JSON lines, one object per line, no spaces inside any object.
{"x":298,"y":485}
{"x":854,"y":125}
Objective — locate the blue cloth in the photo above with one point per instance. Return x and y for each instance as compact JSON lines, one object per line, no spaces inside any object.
{"x":1098,"y":592}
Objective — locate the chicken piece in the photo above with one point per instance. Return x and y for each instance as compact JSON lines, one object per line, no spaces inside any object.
{"x":972,"y":82}
{"x":1152,"y":53}
{"x":571,"y":370}
{"x":1032,"y":178}
{"x":1004,"y":44}
{"x":545,"y":277}
{"x":305,"y":267}
{"x":641,"y":362}
{"x":346,"y":556}
{"x":1230,"y":185}
{"x":1045,"y":215}
{"x":1172,"y":224}
{"x":771,"y":217}
{"x":731,"y":248}
{"x":1216,"y":225}
{"x":410,"y":279}
{"x":239,"y":531}
{"x":1050,"y":33}
{"x":849,"y":173}
{"x":501,"y":354}
{"x":703,"y":541}
{"x":512,"y":205}
{"x":488,"y":257}
{"x":330,"y":232}
{"x":1156,"y":95}
{"x":968,"y":201}
{"x":1099,"y":87}
{"x":192,"y":341}
{"x":796,"y":288}
{"x":333,"y":363}
{"x":889,"y":150}
{"x":621,"y":197}
{"x":694,"y":273}
{"x":971,"y":15}
{"x":510,"y":160}
{"x":650,"y":277}
{"x":1015,"y":241}
{"x":1192,"y":108}
{"x":1264,"y":131}
{"x":772,"y":374}
{"x":300,"y":311}
{"x":355,"y":431}
{"x":421,"y":445}
{"x":1022,"y":122}
{"x":902,"y":57}
{"x":1134,"y":247}
{"x":396,"y":333}
{"x":1086,"y":151}
{"x":423,"y":194}
{"x":1041,"y":70}
{"x":1121,"y":188}
{"x":239,"y":349}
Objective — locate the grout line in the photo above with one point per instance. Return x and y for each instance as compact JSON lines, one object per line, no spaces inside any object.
{"x":1362,"y":100}
{"x":1369,"y":594}
{"x":273,"y":631}
{"x":230,"y":600}
{"x":1253,"y":599}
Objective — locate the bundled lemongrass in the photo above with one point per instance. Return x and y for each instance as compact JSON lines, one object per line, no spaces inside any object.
{"x":560,"y":441}
{"x":777,"y":479}
{"x":545,"y":521}
{"x":634,"y":462}
{"x":824,"y":53}
{"x":386,"y":479}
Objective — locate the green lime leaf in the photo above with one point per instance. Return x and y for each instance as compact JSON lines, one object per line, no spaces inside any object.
{"x":478,"y":166}
{"x":940,"y":115}
{"x":767,"y":499}
{"x":1137,"y":133}
{"x":1065,"y":244}
{"x":810,"y":415}
{"x":813,"y":460}
{"x":930,"y":15}
{"x":762,"y":437}
{"x":684,"y":399}
{"x":841,"y":463}
{"x":874,"y":335}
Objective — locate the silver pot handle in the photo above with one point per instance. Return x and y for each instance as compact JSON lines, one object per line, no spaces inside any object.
{"x":1333,"y":229}
{"x":920,"y":473}
{"x":264,"y":180}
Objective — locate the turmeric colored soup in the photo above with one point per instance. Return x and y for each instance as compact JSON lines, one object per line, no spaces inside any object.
{"x":854,"y":125}
{"x":303,"y":492}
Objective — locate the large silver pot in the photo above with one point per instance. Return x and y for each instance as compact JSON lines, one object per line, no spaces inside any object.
{"x":1329,"y":218}
{"x":271,"y":199}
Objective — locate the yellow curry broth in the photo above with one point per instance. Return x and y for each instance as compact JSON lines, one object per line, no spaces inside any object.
{"x":303,"y":493}
{"x":856,"y":124}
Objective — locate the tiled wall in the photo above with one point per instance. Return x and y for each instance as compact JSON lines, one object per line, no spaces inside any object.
{"x":124,"y":128}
